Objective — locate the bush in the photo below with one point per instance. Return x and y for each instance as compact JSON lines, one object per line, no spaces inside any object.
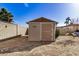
{"x":57,"y":33}
{"x":77,"y":31}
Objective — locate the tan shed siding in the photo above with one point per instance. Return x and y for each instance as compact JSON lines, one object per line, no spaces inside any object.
{"x":34,"y":31}
{"x":50,"y":28}
{"x":39,"y":32}
{"x":53,"y":31}
{"x":54,"y":28}
{"x":46,"y":32}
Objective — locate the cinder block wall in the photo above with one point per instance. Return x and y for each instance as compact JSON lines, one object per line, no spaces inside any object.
{"x":9,"y":30}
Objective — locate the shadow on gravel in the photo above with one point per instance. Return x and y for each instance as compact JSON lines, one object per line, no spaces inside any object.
{"x":26,"y":46}
{"x":66,"y":42}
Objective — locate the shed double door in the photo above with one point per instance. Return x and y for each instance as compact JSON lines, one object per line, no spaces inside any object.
{"x":47,"y":32}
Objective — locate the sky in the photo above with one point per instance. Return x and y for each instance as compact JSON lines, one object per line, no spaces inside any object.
{"x":24,"y":12}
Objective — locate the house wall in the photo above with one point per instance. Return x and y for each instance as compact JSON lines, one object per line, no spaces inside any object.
{"x":68,"y":29}
{"x":35,"y":33}
{"x":9,"y":30}
{"x":63,"y":30}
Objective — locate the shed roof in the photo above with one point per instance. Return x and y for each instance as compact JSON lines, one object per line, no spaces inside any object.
{"x":42,"y":19}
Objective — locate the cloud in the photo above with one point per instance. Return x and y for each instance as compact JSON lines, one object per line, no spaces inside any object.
{"x":26,"y":5}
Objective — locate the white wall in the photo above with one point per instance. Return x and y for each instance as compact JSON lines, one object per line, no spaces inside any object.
{"x":9,"y":30}
{"x":22,"y":30}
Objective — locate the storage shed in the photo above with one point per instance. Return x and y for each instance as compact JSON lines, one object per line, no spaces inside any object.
{"x":41,"y":29}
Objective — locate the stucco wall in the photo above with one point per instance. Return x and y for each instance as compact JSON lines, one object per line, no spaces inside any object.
{"x":22,"y":30}
{"x":8,"y":30}
{"x":68,"y":29}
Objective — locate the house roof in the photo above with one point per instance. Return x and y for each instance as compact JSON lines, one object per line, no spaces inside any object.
{"x":42,"y":19}
{"x":73,"y":25}
{"x":69,"y":25}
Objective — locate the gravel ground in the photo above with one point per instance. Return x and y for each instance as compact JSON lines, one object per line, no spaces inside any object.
{"x":64,"y":46}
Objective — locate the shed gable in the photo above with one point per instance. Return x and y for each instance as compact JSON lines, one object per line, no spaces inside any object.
{"x":42,"y":19}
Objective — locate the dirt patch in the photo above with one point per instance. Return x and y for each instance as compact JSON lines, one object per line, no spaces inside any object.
{"x":19,"y":44}
{"x":64,"y":46}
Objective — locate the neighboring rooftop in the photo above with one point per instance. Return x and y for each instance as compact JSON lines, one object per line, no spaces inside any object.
{"x":42,"y":19}
{"x":68,"y":25}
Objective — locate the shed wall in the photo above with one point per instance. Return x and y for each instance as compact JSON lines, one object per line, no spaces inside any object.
{"x":36,"y":32}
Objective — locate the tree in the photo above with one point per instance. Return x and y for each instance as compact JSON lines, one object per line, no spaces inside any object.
{"x":67,"y":22}
{"x":5,"y":15}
